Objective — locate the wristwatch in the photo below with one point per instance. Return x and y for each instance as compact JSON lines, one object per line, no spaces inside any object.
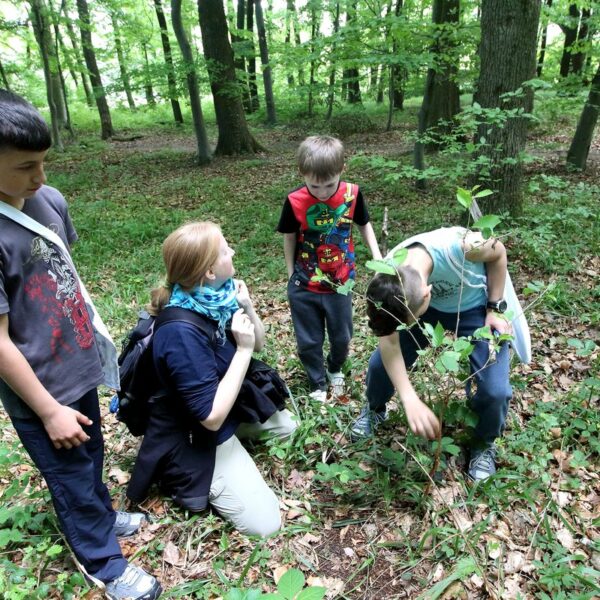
{"x":499,"y":306}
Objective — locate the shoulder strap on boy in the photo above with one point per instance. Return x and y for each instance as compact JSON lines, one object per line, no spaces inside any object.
{"x":175,"y":313}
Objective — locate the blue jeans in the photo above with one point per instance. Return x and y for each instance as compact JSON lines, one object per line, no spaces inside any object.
{"x":492,"y":396}
{"x":312,"y":313}
{"x":81,"y":500}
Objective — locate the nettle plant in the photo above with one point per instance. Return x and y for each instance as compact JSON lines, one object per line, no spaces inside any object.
{"x":444,"y":365}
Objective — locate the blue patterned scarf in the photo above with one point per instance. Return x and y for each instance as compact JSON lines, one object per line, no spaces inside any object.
{"x":218,"y":305}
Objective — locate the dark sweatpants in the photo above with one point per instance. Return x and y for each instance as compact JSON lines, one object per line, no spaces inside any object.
{"x":312,"y":314}
{"x":80,"y":498}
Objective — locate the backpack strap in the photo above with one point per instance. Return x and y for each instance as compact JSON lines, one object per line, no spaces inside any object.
{"x":176,"y":313}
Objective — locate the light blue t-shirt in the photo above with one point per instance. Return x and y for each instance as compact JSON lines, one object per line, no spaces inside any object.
{"x":451,"y":270}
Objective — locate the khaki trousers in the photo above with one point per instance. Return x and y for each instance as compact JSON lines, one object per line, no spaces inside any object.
{"x":238,"y":491}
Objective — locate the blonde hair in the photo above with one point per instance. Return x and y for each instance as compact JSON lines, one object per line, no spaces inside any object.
{"x":321,"y":156}
{"x":188,"y":253}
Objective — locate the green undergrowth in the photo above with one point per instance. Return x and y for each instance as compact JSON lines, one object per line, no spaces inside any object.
{"x":399,"y":514}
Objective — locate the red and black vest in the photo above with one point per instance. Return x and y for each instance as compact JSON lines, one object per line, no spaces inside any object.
{"x":324,"y":247}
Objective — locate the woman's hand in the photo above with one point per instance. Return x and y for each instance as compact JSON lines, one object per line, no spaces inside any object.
{"x":242,"y":329}
{"x":243,"y":296}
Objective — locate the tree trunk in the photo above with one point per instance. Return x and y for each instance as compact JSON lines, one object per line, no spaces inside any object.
{"x":540,"y":64}
{"x":582,"y":140}
{"x":149,"y":92}
{"x":63,"y":84}
{"x":314,"y":32}
{"x":578,"y":57}
{"x":254,"y":103}
{"x":87,"y":88}
{"x":291,"y":7}
{"x":4,"y":77}
{"x":266,"y":68}
{"x":122,"y":61}
{"x":331,"y":94}
{"x":395,"y":91}
{"x":508,"y":58}
{"x":43,"y":36}
{"x":570,"y":30}
{"x":239,"y":61}
{"x":192,"y":82}
{"x":90,"y":60}
{"x":351,"y":74}
{"x":60,"y":48}
{"x":398,"y":71}
{"x":166,"y":46}
{"x":288,"y":40}
{"x":234,"y":135}
{"x":441,"y":99}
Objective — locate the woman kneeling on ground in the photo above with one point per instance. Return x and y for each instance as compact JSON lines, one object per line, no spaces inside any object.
{"x":191,"y":447}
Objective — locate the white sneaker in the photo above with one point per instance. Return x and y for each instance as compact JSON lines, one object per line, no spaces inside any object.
{"x":337,"y":381}
{"x":318,"y":395}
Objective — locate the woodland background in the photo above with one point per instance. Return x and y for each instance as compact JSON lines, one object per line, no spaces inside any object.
{"x":164,"y":113}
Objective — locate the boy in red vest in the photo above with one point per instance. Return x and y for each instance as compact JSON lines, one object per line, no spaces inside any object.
{"x":316,"y":222}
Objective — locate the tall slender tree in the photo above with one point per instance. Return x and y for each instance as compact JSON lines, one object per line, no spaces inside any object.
{"x":266,"y":67}
{"x":192,"y":82}
{"x":331,"y":93}
{"x":121,"y":59}
{"x":251,"y":56}
{"x":544,"y":39}
{"x":578,"y":57}
{"x":4,"y":77}
{"x":234,"y":135}
{"x":43,"y":36}
{"x":148,"y":89}
{"x":507,"y":56}
{"x":582,"y":140}
{"x":239,"y":60}
{"x":87,"y":88}
{"x":166,"y":46}
{"x":570,"y":28}
{"x":92,"y":65}
{"x":351,"y":74}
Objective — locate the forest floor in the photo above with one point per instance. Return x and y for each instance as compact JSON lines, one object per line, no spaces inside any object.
{"x":364,"y":521}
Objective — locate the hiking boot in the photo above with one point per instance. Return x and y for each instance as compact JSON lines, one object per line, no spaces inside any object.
{"x":134,"y":584}
{"x":337,"y":381}
{"x":366,"y":423}
{"x":482,"y":464}
{"x":127,"y":524}
{"x":318,"y":395}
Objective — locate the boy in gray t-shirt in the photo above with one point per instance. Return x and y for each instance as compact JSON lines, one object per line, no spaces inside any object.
{"x":49,"y":361}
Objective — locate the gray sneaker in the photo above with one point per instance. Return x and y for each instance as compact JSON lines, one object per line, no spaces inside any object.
{"x":127,"y":524}
{"x":366,"y":423}
{"x":482,"y":464}
{"x":134,"y":584}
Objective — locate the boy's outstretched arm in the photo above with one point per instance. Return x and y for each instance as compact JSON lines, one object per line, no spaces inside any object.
{"x":493,"y":253}
{"x":368,"y":236}
{"x":62,"y":423}
{"x":289,"y":251}
{"x":420,"y":417}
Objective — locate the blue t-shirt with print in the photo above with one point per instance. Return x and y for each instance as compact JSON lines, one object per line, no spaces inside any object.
{"x":451,"y":270}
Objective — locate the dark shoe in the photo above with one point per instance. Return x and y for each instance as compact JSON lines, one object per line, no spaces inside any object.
{"x":482,"y":464}
{"x":366,"y":423}
{"x":127,"y":524}
{"x":134,"y":584}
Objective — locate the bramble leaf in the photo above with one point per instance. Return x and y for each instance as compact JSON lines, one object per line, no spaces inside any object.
{"x":380,"y":266}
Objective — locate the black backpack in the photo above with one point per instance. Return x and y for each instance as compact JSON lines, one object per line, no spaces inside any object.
{"x":138,"y":377}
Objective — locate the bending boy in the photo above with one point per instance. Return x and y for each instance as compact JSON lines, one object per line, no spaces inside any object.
{"x":316,"y":221}
{"x":450,"y":276}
